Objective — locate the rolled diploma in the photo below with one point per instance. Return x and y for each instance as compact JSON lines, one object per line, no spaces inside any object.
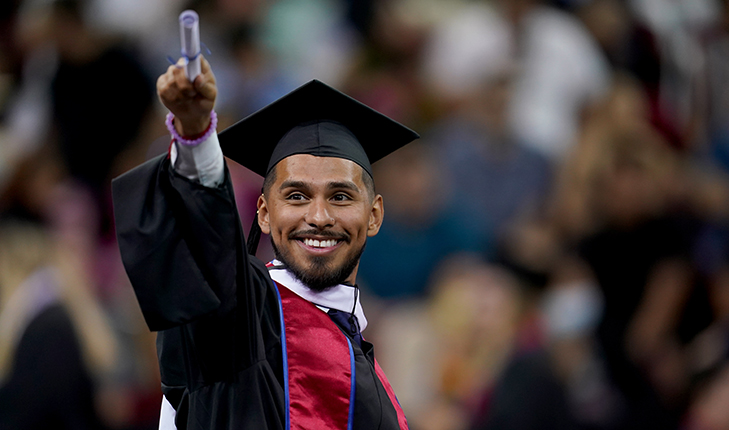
{"x":190,"y":40}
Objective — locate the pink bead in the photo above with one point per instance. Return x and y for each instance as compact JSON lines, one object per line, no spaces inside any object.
{"x":187,"y":142}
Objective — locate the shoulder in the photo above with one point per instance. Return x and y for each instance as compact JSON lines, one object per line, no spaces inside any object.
{"x":259,"y":270}
{"x":141,"y":172}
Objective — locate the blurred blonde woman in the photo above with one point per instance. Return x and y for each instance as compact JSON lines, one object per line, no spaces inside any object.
{"x":55,"y":342}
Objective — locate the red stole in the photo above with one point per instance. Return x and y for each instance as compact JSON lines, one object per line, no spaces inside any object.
{"x":319,"y":368}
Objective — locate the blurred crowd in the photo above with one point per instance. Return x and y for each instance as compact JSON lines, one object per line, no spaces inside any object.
{"x":555,"y":253}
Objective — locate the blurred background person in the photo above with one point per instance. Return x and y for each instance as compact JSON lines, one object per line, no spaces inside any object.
{"x":58,"y":352}
{"x":56,"y":344}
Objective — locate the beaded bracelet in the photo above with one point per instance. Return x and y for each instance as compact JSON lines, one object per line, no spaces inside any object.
{"x":197,"y":139}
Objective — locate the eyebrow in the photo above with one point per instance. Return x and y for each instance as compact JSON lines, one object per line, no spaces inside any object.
{"x":299,"y":185}
{"x":345,"y":185}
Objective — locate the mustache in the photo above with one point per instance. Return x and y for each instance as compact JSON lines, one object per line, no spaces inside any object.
{"x":324,"y":233}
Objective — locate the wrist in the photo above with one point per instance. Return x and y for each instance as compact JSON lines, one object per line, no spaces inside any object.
{"x":186,"y":135}
{"x":189,"y":128}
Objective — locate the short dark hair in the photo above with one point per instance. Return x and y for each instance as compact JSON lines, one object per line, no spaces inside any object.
{"x":369,"y":183}
{"x":269,"y":180}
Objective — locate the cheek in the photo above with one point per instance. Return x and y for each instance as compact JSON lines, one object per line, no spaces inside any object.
{"x":275,"y":227}
{"x":282,"y":221}
{"x":360,"y":225}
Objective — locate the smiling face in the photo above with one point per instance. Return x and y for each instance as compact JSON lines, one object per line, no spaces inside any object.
{"x":319,"y":213}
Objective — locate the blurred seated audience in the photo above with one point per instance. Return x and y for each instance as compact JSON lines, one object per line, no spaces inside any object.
{"x":492,"y":177}
{"x":421,"y":230}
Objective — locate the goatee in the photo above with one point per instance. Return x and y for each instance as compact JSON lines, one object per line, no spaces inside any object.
{"x":320,"y":276}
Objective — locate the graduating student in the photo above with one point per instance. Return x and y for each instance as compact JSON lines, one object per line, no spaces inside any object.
{"x":243,"y":344}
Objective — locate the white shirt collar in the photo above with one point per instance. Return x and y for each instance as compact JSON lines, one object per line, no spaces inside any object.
{"x":340,"y":297}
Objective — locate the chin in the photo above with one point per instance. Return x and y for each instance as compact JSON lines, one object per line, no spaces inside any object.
{"x":320,"y":273}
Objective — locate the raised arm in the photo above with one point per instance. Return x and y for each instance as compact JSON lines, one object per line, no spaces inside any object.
{"x":197,"y":155}
{"x":176,"y":218}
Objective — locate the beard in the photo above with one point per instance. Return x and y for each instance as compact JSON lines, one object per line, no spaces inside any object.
{"x":320,"y":276}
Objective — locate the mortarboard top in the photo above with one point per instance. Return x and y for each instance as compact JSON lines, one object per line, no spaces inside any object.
{"x":313,"y":119}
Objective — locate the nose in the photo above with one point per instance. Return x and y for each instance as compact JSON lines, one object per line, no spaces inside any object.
{"x":318,"y":215}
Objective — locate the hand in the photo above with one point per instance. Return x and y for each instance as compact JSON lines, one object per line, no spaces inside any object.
{"x":190,"y":102}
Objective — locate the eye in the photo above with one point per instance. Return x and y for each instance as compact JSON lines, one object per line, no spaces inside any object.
{"x":296,"y":196}
{"x":341,"y":197}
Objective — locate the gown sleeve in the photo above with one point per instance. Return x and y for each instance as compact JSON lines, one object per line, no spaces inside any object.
{"x":215,"y":307}
{"x":179,"y":242}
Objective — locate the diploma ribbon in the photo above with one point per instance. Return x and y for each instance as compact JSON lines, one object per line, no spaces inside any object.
{"x":189,"y":58}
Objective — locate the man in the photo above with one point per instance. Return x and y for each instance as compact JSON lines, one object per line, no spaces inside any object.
{"x":243,"y":345}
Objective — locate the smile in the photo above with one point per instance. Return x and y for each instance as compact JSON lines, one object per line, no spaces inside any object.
{"x":329,"y":243}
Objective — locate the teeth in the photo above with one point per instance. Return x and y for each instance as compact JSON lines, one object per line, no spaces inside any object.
{"x":320,"y":244}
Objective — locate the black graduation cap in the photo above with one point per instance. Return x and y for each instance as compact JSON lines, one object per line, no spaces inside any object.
{"x":313,"y":119}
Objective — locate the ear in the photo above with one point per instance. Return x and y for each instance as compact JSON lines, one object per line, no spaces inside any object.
{"x":263,"y":215}
{"x":377,"y":214}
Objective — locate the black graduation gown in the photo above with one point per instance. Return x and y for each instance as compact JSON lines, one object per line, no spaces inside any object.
{"x":215,"y":307}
